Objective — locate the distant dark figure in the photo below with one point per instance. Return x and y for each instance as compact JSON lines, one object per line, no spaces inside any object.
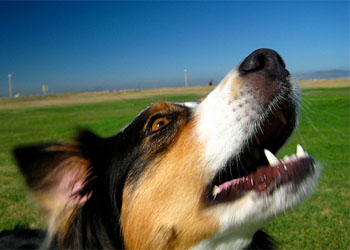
{"x":210,"y":83}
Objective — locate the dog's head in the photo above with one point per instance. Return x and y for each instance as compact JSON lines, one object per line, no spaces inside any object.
{"x":180,"y":175}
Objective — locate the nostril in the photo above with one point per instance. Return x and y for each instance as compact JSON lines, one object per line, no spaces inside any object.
{"x":260,"y":62}
{"x":253,"y":63}
{"x":262,"y":59}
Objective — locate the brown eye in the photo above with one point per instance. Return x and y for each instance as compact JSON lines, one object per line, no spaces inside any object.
{"x":159,"y":123}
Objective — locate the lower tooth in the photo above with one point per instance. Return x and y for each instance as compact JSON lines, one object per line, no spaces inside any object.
{"x":286,"y":158}
{"x":216,"y":190}
{"x":293,"y":157}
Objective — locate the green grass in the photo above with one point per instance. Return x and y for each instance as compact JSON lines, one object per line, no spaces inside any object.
{"x":56,"y":123}
{"x":323,"y":222}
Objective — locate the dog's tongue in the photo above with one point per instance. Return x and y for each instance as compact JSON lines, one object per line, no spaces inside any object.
{"x":291,"y":169}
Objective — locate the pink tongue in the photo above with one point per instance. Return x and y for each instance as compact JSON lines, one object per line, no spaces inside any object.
{"x":258,"y":180}
{"x":262,"y":178}
{"x":232,"y":183}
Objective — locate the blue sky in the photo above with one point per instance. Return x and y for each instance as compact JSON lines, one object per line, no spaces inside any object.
{"x":72,"y":46}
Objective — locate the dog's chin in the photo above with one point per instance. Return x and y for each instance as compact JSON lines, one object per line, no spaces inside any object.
{"x":248,"y":202}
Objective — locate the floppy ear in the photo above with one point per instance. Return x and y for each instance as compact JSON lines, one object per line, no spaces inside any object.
{"x":58,"y":175}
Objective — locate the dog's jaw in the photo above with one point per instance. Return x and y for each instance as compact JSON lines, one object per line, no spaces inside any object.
{"x":226,"y":122}
{"x":240,"y":220}
{"x":227,"y":240}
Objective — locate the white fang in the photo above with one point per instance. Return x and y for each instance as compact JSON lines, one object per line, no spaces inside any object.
{"x":272,"y":159}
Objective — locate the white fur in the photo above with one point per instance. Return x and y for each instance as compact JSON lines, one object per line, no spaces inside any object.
{"x":239,"y":220}
{"x":218,"y":128}
{"x":224,"y":125}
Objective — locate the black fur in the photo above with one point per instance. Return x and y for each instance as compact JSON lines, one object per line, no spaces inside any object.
{"x":24,"y":238}
{"x":261,"y":240}
{"x":113,"y":161}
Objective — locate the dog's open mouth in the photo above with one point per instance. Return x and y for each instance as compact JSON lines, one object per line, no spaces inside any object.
{"x":257,"y":168}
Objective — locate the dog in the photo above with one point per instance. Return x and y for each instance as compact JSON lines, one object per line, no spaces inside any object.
{"x":193,"y":175}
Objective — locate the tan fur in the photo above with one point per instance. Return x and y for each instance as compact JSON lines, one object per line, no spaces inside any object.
{"x":236,"y":85}
{"x":165,"y":210}
{"x":161,"y":107}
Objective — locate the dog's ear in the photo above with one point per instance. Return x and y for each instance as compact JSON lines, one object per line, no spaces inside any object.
{"x":59,"y":175}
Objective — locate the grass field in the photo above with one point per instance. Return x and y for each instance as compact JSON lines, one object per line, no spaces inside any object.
{"x":322,"y":223}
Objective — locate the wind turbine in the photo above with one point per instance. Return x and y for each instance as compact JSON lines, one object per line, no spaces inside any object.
{"x":186,"y":82}
{"x":10,"y":85}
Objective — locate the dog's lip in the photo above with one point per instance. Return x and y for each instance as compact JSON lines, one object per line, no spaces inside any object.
{"x":259,"y":174}
{"x":276,"y":129}
{"x":266,"y":178}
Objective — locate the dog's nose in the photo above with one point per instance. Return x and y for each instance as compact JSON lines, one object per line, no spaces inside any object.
{"x":266,"y":61}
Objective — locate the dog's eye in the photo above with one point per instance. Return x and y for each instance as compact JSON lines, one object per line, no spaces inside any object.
{"x":159,"y":123}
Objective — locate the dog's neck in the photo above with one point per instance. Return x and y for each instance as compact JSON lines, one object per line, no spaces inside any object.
{"x":229,"y":243}
{"x":229,"y":240}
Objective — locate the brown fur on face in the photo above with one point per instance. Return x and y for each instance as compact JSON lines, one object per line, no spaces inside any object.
{"x":165,"y":210}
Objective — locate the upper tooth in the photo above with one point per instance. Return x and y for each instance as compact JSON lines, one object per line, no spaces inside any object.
{"x":300,"y":151}
{"x":281,"y":116}
{"x":272,"y":159}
